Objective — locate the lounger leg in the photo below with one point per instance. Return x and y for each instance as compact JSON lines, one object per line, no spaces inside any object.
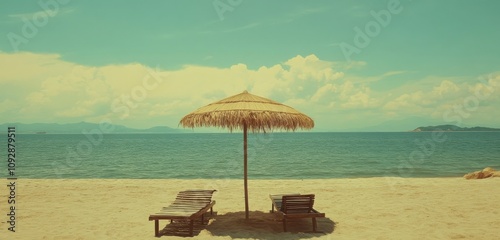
{"x":314,"y":224}
{"x":191,"y":227}
{"x":272,"y":208}
{"x":211,"y":211}
{"x":202,"y":218}
{"x":284,"y":224}
{"x":157,"y":232}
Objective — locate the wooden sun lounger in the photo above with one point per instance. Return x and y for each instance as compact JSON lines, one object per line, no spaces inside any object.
{"x":277,"y":198}
{"x":293,"y":206}
{"x":188,"y":206}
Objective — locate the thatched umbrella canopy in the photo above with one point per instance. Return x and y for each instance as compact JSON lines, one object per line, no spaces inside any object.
{"x":246,"y":111}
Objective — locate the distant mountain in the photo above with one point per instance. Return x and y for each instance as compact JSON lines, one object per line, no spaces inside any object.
{"x":396,"y":125}
{"x":453,"y":128}
{"x":76,"y":128}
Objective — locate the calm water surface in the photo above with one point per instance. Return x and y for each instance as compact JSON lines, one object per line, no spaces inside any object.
{"x":271,"y":156}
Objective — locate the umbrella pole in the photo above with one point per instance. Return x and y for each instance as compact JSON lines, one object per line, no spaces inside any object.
{"x":245,"y":167}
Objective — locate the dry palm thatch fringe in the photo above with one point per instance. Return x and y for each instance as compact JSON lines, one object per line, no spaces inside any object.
{"x":258,"y":113}
{"x":262,"y":121}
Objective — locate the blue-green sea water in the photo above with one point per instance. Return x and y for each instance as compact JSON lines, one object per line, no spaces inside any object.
{"x":270,"y":156}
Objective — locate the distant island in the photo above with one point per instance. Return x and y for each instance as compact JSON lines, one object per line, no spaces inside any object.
{"x":454,"y":128}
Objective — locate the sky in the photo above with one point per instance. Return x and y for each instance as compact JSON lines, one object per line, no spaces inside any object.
{"x":357,"y":65}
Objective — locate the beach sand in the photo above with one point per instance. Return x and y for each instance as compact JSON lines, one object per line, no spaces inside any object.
{"x":365,"y":208}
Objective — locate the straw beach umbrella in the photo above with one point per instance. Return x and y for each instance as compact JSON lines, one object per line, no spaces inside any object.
{"x":248,"y":112}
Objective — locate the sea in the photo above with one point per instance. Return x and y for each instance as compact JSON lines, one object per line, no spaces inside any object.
{"x":283,"y":155}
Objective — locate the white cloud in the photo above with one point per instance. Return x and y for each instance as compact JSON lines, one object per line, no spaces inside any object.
{"x":248,"y":26}
{"x":448,"y":100}
{"x":406,"y":102}
{"x":42,"y":14}
{"x":445,"y":88}
{"x":312,"y":68}
{"x":7,"y":105}
{"x":44,"y":88}
{"x":360,"y":99}
{"x":324,"y":91}
{"x":392,"y":73}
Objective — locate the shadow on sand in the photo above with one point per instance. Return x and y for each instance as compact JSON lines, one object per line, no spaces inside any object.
{"x":180,"y":228}
{"x":262,"y":225}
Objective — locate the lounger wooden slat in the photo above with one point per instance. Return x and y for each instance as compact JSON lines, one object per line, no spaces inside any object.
{"x":276,"y":200}
{"x":293,"y":206}
{"x":188,"y":205}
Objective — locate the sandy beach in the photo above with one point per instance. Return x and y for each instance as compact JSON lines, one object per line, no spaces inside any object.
{"x":366,"y":208}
